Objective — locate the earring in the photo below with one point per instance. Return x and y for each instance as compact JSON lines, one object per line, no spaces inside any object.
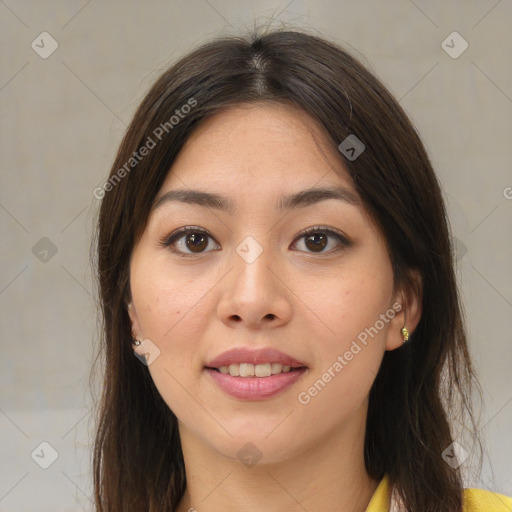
{"x":405,"y":334}
{"x":136,"y":342}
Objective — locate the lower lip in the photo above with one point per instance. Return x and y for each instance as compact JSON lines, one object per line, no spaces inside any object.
{"x":255,"y":388}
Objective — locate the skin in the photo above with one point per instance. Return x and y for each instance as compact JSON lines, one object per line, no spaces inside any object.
{"x":311,"y":305}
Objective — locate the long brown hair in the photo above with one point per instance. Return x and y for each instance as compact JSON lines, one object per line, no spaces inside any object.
{"x":138,"y":462}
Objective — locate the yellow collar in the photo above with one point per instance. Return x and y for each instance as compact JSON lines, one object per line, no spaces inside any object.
{"x":381,"y":497}
{"x":475,"y":500}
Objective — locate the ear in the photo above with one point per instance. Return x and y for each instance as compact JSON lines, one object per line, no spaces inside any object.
{"x":132,"y":312}
{"x":409,"y":297}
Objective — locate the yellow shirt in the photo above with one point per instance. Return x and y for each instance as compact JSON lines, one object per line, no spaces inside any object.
{"x":475,"y":500}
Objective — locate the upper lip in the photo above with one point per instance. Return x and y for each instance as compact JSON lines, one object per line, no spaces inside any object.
{"x":253,"y":356}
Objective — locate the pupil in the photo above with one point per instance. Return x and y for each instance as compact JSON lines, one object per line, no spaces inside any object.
{"x":318,"y":241}
{"x":196,"y":242}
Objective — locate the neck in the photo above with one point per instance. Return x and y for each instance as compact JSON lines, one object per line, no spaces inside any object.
{"x":328,"y":476}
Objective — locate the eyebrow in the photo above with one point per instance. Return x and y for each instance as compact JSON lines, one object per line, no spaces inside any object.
{"x":299,"y":199}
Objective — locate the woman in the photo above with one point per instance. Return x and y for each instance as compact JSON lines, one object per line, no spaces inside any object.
{"x":273,"y":247}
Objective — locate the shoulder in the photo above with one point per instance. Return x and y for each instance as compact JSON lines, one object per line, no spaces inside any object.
{"x":480,"y":500}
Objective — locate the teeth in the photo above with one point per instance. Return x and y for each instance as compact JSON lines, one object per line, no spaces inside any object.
{"x":246,"y":370}
{"x":251,"y":370}
{"x":263,"y":370}
{"x":234,"y":370}
{"x":276,"y":368}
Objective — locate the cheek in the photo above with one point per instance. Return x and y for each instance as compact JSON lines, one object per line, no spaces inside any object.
{"x":350,"y":328}
{"x":167,"y":303}
{"x":349,"y":300}
{"x":172,"y":313}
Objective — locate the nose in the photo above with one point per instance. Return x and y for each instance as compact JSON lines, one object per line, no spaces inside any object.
{"x":254,"y":296}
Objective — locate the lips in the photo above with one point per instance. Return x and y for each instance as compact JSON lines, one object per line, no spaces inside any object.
{"x":244,"y":373}
{"x":255,"y":357}
{"x":255,"y":388}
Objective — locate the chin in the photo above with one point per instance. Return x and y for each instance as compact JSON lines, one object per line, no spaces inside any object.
{"x":256,"y":446}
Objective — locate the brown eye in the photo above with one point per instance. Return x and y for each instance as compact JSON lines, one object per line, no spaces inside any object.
{"x":316,"y":242}
{"x":188,"y":241}
{"x":196,"y":242}
{"x":321,"y":240}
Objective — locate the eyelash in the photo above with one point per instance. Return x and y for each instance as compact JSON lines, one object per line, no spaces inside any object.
{"x":169,"y":240}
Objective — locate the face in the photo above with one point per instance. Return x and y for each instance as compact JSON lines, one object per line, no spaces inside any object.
{"x":259,"y":260}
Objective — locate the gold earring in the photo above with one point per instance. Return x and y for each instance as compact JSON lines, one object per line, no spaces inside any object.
{"x":405,"y":334}
{"x":136,"y":342}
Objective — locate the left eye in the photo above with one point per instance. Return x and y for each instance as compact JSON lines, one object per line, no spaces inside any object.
{"x":194,"y":239}
{"x":317,"y":239}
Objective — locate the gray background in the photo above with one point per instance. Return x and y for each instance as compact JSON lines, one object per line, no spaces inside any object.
{"x":63,"y":118}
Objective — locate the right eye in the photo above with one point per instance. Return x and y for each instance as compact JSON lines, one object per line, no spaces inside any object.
{"x":189,"y":240}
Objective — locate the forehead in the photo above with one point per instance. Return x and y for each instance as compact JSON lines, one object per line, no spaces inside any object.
{"x":258,"y":147}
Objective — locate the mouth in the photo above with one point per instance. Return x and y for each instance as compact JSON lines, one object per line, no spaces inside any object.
{"x":245,"y":370}
{"x":254,"y":373}
{"x":250,"y":382}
